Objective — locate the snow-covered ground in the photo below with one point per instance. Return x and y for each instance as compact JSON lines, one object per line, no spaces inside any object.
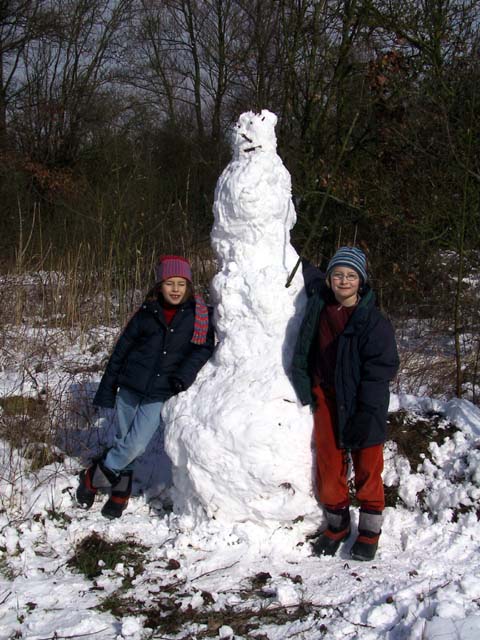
{"x":208,"y":579}
{"x":226,"y":552}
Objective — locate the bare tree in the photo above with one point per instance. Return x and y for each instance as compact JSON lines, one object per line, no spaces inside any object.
{"x":63,"y":74}
{"x":18,"y":27}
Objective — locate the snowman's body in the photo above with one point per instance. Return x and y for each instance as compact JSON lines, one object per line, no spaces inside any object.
{"x":239,"y":441}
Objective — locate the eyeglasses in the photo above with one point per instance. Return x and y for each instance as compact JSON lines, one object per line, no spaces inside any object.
{"x":350,"y":277}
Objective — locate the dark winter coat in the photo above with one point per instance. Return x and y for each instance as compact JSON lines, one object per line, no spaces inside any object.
{"x":367,"y":360}
{"x":149,"y":352}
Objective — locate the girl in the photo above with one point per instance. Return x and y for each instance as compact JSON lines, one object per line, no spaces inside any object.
{"x":158,"y":355}
{"x":344,"y":359}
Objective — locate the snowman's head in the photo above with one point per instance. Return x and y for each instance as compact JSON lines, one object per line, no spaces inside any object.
{"x":254,"y":133}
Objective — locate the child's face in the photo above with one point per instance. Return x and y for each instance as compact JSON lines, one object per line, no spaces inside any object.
{"x":174,"y":290}
{"x":344,"y":283}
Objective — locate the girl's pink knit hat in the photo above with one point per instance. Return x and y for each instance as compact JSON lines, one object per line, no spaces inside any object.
{"x":178,"y":267}
{"x":172,"y":267}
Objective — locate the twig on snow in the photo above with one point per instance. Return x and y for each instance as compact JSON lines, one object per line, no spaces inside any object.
{"x":355,"y":624}
{"x":297,"y":633}
{"x":80,"y":635}
{"x":207,"y":573}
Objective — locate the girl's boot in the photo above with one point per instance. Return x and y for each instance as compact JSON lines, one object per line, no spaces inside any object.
{"x":121,"y":492}
{"x":97,"y":476}
{"x":369,"y":530}
{"x":338,"y":530}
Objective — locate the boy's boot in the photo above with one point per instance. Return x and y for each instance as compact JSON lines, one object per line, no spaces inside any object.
{"x":97,"y":476}
{"x":369,"y":530}
{"x":121,"y":492}
{"x":338,"y":530}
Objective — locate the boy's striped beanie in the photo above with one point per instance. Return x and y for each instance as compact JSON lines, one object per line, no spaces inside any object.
{"x":350,"y":257}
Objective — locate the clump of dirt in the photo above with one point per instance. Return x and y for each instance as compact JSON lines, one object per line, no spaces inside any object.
{"x":413,"y":433}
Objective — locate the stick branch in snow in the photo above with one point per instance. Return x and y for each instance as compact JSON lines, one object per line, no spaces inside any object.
{"x":207,"y":573}
{"x":355,"y":624}
{"x":80,"y":635}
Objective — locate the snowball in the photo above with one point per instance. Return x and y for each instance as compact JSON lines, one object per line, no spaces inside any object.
{"x":131,"y":627}
{"x":381,"y":615}
{"x":225,"y":632}
{"x":470,"y":586}
{"x":287,"y":595}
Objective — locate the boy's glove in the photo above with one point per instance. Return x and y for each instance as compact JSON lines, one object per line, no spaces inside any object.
{"x":176,"y":385}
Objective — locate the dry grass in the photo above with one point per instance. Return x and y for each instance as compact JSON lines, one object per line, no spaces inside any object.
{"x":26,"y":426}
{"x":165,"y":613}
{"x":93,"y":555}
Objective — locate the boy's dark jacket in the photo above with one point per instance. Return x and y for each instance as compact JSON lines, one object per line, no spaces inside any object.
{"x":367,"y":360}
{"x":149,"y":352}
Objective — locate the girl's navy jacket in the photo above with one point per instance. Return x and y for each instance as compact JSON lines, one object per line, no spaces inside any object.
{"x":149,"y":353}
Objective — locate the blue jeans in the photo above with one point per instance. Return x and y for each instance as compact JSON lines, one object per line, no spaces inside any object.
{"x":138,"y":420}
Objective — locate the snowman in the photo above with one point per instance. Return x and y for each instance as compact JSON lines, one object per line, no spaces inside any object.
{"x":239,"y":441}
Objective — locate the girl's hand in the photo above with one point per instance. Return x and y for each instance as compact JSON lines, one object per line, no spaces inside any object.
{"x":176,"y":385}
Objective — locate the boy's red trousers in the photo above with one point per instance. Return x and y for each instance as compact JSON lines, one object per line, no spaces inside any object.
{"x":332,"y":462}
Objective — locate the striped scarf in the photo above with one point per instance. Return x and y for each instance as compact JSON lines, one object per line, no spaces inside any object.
{"x":200,"y":328}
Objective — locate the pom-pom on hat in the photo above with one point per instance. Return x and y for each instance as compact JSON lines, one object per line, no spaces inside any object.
{"x":172,"y":267}
{"x":350,"y":257}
